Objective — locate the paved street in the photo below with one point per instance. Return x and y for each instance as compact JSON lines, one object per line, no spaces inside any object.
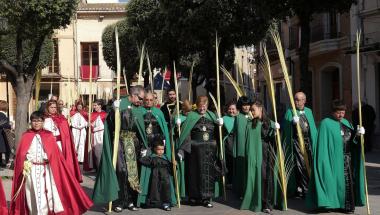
{"x":231,"y":207}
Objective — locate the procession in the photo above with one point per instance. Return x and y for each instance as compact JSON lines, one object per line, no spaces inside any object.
{"x":106,"y":108}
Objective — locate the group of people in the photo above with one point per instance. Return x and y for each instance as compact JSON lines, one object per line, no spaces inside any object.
{"x":175,"y":153}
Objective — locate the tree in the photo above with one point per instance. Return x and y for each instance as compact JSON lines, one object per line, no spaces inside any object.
{"x":26,"y":46}
{"x":304,"y":10}
{"x":184,"y":31}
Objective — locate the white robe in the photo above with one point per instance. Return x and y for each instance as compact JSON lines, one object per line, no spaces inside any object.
{"x":79,"y":124}
{"x":98,"y":130}
{"x":51,"y":126}
{"x":38,"y":202}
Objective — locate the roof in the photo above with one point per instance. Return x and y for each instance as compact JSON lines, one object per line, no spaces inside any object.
{"x":99,"y":7}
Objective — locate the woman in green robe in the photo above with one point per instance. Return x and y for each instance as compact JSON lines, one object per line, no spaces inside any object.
{"x":261,"y":186}
{"x":228,"y":138}
{"x":337,"y":179}
{"x":238,"y":149}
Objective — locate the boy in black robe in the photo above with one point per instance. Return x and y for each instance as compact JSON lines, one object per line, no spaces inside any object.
{"x":159,"y":193}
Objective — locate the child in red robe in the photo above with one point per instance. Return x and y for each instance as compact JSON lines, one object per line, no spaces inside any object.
{"x":42,"y":181}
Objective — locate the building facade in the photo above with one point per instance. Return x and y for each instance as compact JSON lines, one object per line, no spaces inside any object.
{"x":329,"y":65}
{"x":366,"y":17}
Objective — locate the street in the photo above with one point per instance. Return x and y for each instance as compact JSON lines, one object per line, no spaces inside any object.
{"x":232,"y":205}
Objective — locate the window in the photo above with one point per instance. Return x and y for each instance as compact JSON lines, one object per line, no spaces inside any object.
{"x":54,"y":64}
{"x":86,"y":49}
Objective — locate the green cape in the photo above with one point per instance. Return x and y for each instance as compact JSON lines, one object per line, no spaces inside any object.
{"x":106,"y":185}
{"x":241,"y":128}
{"x":229,"y":122}
{"x":145,"y":171}
{"x":287,"y":138}
{"x":327,"y":182}
{"x":144,"y":182}
{"x":253,"y":183}
{"x":187,"y":126}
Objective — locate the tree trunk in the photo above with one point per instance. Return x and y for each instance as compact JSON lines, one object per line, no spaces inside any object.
{"x":305,"y":79}
{"x":24,"y":92}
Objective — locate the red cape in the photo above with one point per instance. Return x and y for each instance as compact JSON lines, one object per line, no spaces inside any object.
{"x":73,"y":198}
{"x":68,"y":148}
{"x":82,"y":112}
{"x":95,"y":115}
{"x":3,"y":201}
{"x":86,"y":162}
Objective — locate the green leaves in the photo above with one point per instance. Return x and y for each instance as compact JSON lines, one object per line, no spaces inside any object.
{"x":33,"y":22}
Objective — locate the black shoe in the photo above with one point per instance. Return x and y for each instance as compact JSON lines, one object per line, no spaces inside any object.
{"x":267,"y":211}
{"x":131,"y":207}
{"x":118,"y":209}
{"x":207,"y":204}
{"x":192,"y":202}
{"x":166,"y":208}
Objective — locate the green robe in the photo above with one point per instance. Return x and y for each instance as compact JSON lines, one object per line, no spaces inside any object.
{"x":229,"y":122}
{"x":145,"y":171}
{"x":252,"y":199}
{"x":187,"y":126}
{"x":287,"y":139}
{"x":241,"y":128}
{"x":327,"y":182}
{"x":106,"y":185}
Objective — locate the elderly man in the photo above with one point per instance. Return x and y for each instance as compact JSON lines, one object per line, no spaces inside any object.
{"x":156,"y":130}
{"x":299,"y":180}
{"x":337,"y":179}
{"x":122,"y":186}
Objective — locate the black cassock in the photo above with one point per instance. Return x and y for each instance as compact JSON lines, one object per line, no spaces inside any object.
{"x":201,"y":161}
{"x":159,"y":182}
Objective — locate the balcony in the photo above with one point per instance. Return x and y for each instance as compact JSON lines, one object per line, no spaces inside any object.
{"x":85,"y":72}
{"x":322,"y":32}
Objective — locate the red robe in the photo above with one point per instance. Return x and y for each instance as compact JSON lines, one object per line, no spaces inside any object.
{"x":94,"y":116}
{"x":68,"y":148}
{"x":73,"y":198}
{"x":82,"y":112}
{"x":3,"y":201}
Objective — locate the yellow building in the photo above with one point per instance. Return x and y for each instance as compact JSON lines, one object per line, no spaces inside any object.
{"x":68,"y":74}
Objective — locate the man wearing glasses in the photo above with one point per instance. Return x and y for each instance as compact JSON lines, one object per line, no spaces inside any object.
{"x":299,"y":178}
{"x":122,"y":187}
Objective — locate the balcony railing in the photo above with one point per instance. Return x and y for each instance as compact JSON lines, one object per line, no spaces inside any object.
{"x":85,"y":72}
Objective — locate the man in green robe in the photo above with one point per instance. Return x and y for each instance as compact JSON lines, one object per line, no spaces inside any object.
{"x":299,"y":177}
{"x":337,"y":179}
{"x":156,"y":129}
{"x":200,"y":169}
{"x":239,"y":148}
{"x":122,"y":186}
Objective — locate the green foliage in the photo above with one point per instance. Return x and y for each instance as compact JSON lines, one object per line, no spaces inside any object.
{"x":128,"y":47}
{"x":33,"y":18}
{"x":184,"y":31}
{"x":8,"y":51}
{"x":30,"y":26}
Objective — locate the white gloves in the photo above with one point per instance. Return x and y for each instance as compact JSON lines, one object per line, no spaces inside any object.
{"x":277,"y":125}
{"x":296,"y":119}
{"x":360,"y":131}
{"x":220,"y":121}
{"x":143,"y":152}
{"x":180,"y":156}
{"x":178,"y":122}
{"x":116,"y":104}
